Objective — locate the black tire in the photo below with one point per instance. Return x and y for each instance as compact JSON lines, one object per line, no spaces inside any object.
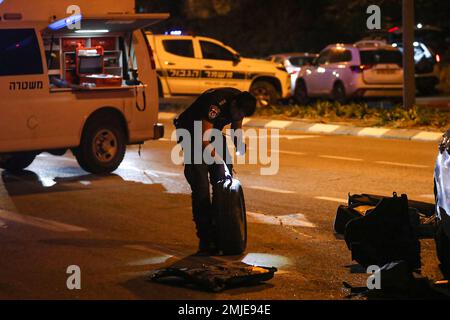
{"x":17,"y":161}
{"x":443,"y":250}
{"x":426,"y":91}
{"x":102,"y":146}
{"x":301,"y":93}
{"x":265,"y":93}
{"x":231,"y":220}
{"x":338,"y":94}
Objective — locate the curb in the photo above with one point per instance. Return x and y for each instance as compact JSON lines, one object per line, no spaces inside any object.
{"x":385,"y":133}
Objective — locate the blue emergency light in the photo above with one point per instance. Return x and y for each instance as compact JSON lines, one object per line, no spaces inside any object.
{"x":59,"y":24}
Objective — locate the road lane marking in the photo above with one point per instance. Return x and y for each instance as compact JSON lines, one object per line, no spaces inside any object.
{"x":427,"y":196}
{"x":297,"y":137}
{"x":271,"y":190}
{"x":339,"y":200}
{"x":45,"y":224}
{"x":340,"y":158}
{"x":293,"y":220}
{"x":151,"y":261}
{"x":273,"y":151}
{"x":294,"y":153}
{"x":157,"y":173}
{"x":398,"y":164}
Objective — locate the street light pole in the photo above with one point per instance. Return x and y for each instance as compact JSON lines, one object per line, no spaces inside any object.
{"x":409,"y":84}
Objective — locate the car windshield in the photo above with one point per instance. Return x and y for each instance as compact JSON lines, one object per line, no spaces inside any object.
{"x":371,"y":57}
{"x":301,"y":61}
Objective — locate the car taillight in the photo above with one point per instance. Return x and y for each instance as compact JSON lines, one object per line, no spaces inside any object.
{"x":438,"y":58}
{"x":361,"y":68}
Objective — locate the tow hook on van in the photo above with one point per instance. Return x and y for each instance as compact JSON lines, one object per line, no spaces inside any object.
{"x":158,"y":130}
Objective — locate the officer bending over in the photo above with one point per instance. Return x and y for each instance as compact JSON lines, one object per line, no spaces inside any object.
{"x":214,"y":109}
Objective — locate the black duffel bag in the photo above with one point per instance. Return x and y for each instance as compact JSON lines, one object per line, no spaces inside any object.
{"x":384,"y":234}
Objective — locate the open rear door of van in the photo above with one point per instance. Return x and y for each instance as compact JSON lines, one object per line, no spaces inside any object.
{"x":141,"y":59}
{"x":108,"y":23}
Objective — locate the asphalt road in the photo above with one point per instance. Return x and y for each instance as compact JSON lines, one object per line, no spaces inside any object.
{"x":120,"y":228}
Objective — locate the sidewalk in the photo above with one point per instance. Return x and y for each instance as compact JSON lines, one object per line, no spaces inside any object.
{"x":303,"y":126}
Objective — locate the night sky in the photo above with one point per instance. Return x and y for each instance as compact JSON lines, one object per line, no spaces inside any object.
{"x":257,"y":28}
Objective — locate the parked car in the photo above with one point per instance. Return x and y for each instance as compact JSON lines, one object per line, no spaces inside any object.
{"x":190,"y":65}
{"x":442,"y":194}
{"x":360,"y":70}
{"x":430,"y":46}
{"x":88,"y":99}
{"x":427,"y":67}
{"x":293,"y":62}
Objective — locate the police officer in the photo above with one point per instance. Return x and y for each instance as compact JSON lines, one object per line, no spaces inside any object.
{"x":214,"y":109}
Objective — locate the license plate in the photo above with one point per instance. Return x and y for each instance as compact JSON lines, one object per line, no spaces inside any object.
{"x":387,"y":71}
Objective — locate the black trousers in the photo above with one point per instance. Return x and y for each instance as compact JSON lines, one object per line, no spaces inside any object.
{"x":201,"y":178}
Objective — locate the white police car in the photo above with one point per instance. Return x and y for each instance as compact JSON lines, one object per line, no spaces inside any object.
{"x":190,"y":65}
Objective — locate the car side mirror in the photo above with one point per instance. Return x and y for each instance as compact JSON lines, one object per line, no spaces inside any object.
{"x":236,"y":59}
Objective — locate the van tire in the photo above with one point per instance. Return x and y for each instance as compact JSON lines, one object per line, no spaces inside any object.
{"x":265,"y":93}
{"x":102,"y":146}
{"x":17,"y":161}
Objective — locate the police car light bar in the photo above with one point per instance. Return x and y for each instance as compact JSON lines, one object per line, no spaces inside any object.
{"x":175,"y":33}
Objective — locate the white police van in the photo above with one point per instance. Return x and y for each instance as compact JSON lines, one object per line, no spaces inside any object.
{"x":190,"y":65}
{"x":92,"y":89}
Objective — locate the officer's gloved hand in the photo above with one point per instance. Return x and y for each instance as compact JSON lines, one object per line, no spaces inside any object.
{"x":241,"y":149}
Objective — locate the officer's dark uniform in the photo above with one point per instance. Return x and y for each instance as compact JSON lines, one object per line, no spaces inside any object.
{"x":213,"y":106}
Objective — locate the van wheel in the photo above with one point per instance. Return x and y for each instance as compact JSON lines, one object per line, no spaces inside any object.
{"x":17,"y":161}
{"x":338,"y":93}
{"x":265,"y":93}
{"x":301,"y":93}
{"x":102,"y":147}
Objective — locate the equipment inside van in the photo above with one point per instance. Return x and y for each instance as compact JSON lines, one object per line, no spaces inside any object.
{"x":90,"y":68}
